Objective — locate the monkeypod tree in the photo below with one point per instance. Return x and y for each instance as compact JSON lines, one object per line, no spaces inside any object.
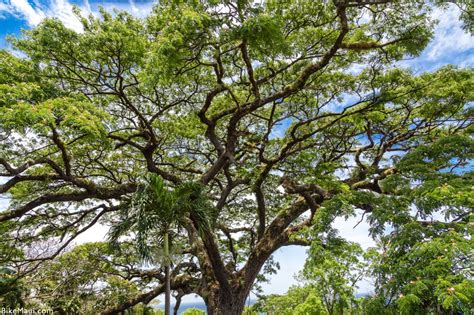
{"x":285,"y":115}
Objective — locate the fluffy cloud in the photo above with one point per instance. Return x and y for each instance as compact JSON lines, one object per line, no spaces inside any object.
{"x":34,"y":13}
{"x":449,"y":37}
{"x":139,"y":9}
{"x":22,"y":9}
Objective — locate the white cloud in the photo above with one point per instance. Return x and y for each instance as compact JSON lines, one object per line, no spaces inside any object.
{"x":140,"y":9}
{"x":87,"y":7}
{"x":97,"y":233}
{"x":467,"y":62}
{"x":354,"y":231}
{"x":449,"y":37}
{"x":4,"y":202}
{"x":134,"y":8}
{"x":62,"y":10}
{"x":291,"y":260}
{"x":22,"y":8}
{"x":33,"y":13}
{"x":5,"y":10}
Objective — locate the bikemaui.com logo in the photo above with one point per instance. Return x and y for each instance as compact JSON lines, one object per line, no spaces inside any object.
{"x":21,"y":311}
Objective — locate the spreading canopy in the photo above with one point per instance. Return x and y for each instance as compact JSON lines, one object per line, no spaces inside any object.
{"x":284,"y":114}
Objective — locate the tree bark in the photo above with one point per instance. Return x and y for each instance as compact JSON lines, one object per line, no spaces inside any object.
{"x":167,"y":275}
{"x":219,"y":304}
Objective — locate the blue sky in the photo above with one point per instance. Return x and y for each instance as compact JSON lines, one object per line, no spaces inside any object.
{"x":451,"y":45}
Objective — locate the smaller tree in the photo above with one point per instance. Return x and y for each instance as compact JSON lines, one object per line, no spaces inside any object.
{"x":333,"y":269}
{"x":299,"y":300}
{"x":426,"y":269}
{"x":425,"y":262}
{"x":154,"y":212}
{"x":11,"y":290}
{"x":330,"y":278}
{"x":85,"y":280}
{"x":142,"y":309}
{"x":193,"y":311}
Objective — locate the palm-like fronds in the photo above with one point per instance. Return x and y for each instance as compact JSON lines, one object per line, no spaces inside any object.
{"x":155,"y":209}
{"x":193,"y":200}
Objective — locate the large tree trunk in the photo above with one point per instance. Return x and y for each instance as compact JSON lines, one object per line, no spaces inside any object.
{"x":224,"y":289}
{"x":217,"y":304}
{"x":232,"y":301}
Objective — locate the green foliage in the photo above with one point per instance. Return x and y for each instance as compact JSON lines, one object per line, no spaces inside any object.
{"x":235,"y":128}
{"x":64,"y":284}
{"x":264,"y":34}
{"x":419,"y":269}
{"x":333,"y":269}
{"x":11,"y":289}
{"x":426,"y":268}
{"x":329,"y":276}
{"x":155,"y":209}
{"x":179,"y":33}
{"x":298,"y":300}
{"x":142,"y":309}
{"x":377,"y":305}
{"x":193,"y":311}
{"x":76,"y":115}
{"x":249,"y":311}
